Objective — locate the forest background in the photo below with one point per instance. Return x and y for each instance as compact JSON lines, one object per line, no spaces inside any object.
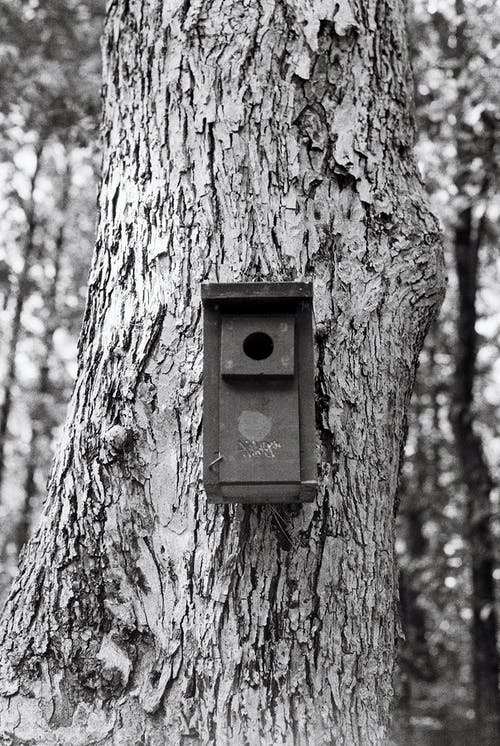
{"x":449,"y":516}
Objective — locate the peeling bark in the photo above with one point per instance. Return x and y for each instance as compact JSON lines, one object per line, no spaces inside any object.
{"x":243,"y":141}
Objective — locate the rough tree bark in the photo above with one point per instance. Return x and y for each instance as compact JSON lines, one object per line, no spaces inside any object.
{"x":243,"y":141}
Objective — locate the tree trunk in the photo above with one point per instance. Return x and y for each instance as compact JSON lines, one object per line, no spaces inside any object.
{"x":23,"y":523}
{"x":242,"y":142}
{"x":42,"y":420}
{"x":475,"y":473}
{"x":27,"y":254}
{"x":478,"y":483}
{"x":419,"y":490}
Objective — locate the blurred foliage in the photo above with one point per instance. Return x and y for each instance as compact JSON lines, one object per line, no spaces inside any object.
{"x":50,"y":67}
{"x":456,"y":57}
{"x":50,"y":70}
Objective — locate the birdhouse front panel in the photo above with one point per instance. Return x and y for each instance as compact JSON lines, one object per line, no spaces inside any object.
{"x":258,"y":417}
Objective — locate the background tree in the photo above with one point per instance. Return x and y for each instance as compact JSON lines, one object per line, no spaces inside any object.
{"x":49,"y":83}
{"x":457,"y":72}
{"x":240,"y":143}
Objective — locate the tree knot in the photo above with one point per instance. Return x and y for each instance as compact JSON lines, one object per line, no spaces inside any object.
{"x":117,"y":438}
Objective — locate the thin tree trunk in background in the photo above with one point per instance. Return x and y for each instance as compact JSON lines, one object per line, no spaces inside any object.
{"x":475,"y":472}
{"x":478,"y":482}
{"x":27,"y":254}
{"x":23,"y":523}
{"x":416,"y":617}
{"x":41,"y":418}
{"x":242,"y":142}
{"x":415,"y":657}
